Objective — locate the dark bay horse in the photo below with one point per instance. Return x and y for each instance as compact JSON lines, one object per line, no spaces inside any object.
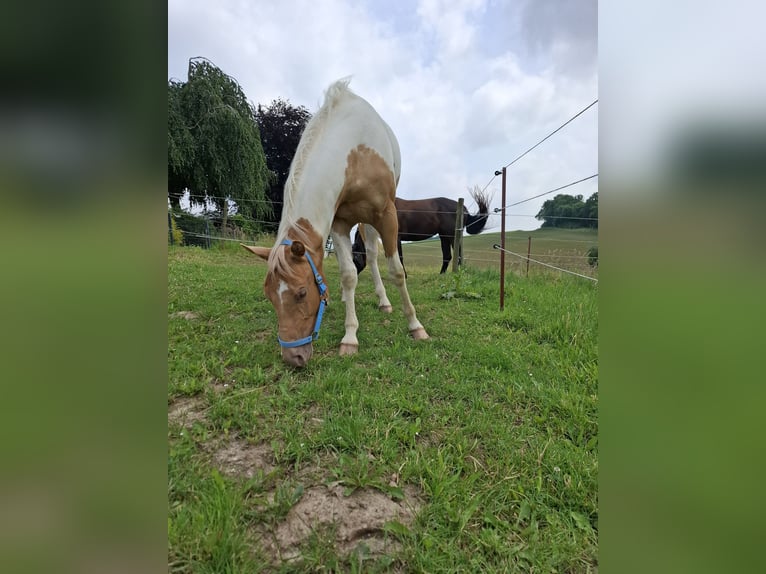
{"x":345,"y":171}
{"x":421,"y":219}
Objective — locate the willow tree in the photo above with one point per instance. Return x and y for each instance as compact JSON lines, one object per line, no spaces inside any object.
{"x":214,"y":148}
{"x":180,"y":147}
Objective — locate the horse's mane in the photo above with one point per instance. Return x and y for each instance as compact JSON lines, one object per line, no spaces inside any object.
{"x":315,"y":126}
{"x":278,"y":256}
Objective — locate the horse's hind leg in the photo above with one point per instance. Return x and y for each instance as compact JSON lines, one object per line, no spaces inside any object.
{"x":371,"y":246}
{"x":388,"y":228}
{"x":446,"y":252}
{"x":349,"y":344}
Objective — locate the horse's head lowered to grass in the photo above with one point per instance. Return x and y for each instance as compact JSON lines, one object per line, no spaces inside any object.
{"x":295,"y":286}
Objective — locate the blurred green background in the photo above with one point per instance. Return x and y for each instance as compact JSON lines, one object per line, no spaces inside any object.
{"x":83,"y":287}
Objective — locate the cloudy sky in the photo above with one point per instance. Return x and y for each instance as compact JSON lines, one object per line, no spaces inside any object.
{"x":466,"y":85}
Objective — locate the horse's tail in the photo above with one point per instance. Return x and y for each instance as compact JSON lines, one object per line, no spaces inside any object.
{"x":475,"y":223}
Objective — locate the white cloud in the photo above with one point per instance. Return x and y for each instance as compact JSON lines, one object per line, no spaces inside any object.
{"x":451,"y":21}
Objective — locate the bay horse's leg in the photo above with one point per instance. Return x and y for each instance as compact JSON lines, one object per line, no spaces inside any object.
{"x":401,"y":257}
{"x":446,"y":251}
{"x":340,"y":237}
{"x":388,"y":229}
{"x":371,"y":246}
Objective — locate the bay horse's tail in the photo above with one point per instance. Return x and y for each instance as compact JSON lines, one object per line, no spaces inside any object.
{"x":475,"y":223}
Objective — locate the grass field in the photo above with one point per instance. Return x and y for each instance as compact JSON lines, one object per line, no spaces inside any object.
{"x":474,"y":451}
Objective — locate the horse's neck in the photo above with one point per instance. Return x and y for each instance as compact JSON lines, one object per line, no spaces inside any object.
{"x":315,"y":187}
{"x":317,"y":206}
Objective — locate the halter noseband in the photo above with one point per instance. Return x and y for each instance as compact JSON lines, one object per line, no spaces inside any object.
{"x":322,"y":303}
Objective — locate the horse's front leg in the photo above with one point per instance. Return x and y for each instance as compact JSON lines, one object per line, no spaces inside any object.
{"x":348,"y":279}
{"x":446,"y":252}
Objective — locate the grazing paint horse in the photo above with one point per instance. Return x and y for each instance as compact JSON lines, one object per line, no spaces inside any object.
{"x":345,"y":170}
{"x":421,"y":219}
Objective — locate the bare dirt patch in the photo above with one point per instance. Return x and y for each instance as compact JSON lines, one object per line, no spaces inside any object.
{"x":315,"y":471}
{"x":314,"y":417}
{"x":224,"y":387}
{"x":186,"y":411}
{"x":238,"y":458}
{"x":355,"y":519}
{"x":188,"y":315}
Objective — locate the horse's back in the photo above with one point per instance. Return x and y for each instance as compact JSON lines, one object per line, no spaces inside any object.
{"x":431,"y":204}
{"x":353,"y":122}
{"x":421,"y":219}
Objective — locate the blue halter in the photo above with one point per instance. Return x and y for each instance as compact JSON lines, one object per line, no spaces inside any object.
{"x":322,"y":303}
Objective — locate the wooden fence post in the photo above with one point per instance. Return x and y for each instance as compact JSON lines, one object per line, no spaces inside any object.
{"x":529,"y":250}
{"x":457,"y":246}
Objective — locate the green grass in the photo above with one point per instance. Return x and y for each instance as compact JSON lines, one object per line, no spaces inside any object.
{"x":493,"y":420}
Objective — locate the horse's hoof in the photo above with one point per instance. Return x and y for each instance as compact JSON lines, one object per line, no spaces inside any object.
{"x":419,"y":334}
{"x":386,"y":308}
{"x":348,"y":349}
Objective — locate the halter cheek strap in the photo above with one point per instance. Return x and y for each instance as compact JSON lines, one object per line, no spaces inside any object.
{"x":322,"y":304}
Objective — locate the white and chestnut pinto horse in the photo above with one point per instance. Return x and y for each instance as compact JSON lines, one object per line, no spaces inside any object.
{"x":345,"y":170}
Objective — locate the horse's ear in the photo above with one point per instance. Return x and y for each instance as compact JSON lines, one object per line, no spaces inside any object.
{"x":262,"y":252}
{"x":297,"y":249}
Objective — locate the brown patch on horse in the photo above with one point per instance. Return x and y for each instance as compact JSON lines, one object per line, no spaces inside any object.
{"x":368,"y":195}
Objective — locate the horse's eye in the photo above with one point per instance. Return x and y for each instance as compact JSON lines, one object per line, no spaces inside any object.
{"x":300,"y":294}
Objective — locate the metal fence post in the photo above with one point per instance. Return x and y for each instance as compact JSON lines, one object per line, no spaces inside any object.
{"x":502,"y":246}
{"x":170,"y":228}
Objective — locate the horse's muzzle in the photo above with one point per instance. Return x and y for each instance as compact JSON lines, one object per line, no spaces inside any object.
{"x":297,"y":356}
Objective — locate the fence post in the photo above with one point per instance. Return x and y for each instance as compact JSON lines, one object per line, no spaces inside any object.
{"x":502,"y":246}
{"x":170,"y":228}
{"x":207,"y":233}
{"x":457,"y":246}
{"x":529,"y":250}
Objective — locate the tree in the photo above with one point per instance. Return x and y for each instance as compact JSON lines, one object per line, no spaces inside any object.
{"x":280,"y":126}
{"x":180,"y":147}
{"x":214,"y":148}
{"x":569,"y":211}
{"x":590,"y":211}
